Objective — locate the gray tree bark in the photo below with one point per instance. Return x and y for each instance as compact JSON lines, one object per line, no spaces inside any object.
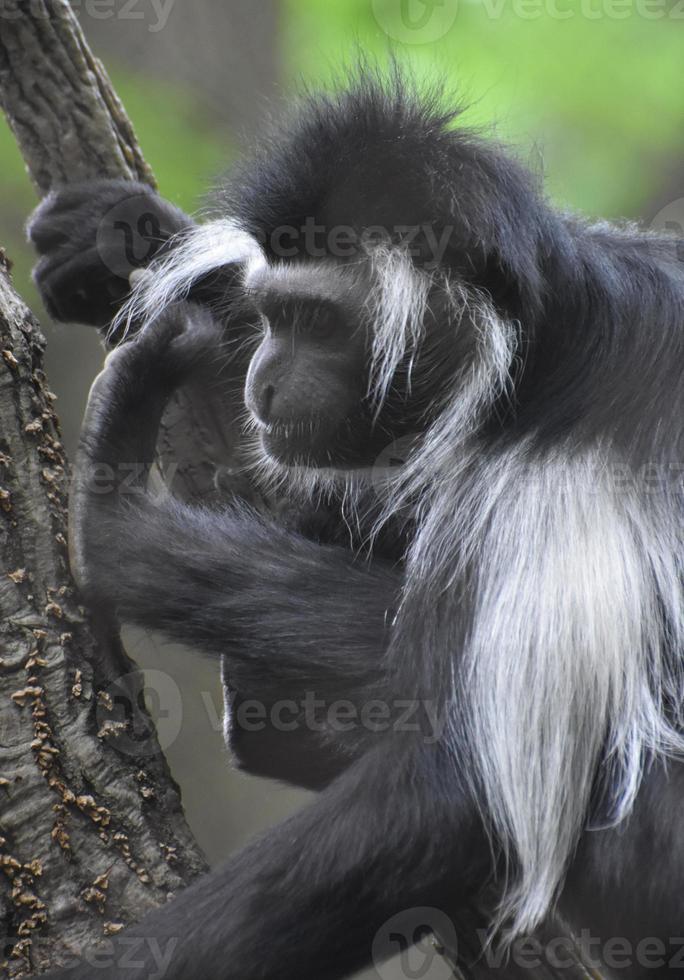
{"x":92,"y":832}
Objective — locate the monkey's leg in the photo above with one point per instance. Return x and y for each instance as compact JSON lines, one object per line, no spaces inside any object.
{"x":396,"y":832}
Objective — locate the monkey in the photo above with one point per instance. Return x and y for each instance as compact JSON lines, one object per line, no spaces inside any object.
{"x":390,"y":283}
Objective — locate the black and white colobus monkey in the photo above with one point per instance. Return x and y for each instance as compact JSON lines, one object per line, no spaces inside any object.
{"x":386,"y":275}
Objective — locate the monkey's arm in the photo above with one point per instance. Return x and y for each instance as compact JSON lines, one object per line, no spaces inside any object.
{"x":90,"y":237}
{"x":281,"y":609}
{"x":289,"y":616}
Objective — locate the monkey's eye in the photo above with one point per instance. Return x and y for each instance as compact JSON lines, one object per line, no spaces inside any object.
{"x":322,"y":327}
{"x":320,"y":323}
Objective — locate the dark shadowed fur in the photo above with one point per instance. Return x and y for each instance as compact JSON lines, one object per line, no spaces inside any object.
{"x":518,"y":579}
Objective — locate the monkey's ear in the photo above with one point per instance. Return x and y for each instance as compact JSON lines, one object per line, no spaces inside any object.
{"x":497,"y":230}
{"x":515,"y":296}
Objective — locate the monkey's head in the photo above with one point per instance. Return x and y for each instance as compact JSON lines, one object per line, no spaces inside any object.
{"x":350,"y":359}
{"x":370,"y":241}
{"x":385,"y":262}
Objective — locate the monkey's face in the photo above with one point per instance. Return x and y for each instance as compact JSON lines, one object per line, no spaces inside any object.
{"x":307,"y":387}
{"x":307,"y":383}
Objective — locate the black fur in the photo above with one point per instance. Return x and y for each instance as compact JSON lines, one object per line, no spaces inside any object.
{"x":597,"y":320}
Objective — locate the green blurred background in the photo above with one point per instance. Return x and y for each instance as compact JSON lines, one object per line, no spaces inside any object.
{"x":589,"y":92}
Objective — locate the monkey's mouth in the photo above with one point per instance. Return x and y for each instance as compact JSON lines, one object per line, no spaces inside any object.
{"x":342,"y":444}
{"x":293,"y":442}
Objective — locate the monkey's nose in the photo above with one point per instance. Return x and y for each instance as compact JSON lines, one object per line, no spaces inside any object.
{"x":265,"y":403}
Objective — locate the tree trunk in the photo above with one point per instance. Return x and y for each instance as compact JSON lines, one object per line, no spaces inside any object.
{"x":92,"y":833}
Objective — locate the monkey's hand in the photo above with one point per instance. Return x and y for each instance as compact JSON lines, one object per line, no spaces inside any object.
{"x":121,"y":424}
{"x":90,"y":237}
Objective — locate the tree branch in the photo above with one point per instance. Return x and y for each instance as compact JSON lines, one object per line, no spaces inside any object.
{"x":92,"y":833}
{"x":67,"y":119}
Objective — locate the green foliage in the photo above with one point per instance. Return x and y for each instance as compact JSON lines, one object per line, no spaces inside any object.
{"x":179,"y":142}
